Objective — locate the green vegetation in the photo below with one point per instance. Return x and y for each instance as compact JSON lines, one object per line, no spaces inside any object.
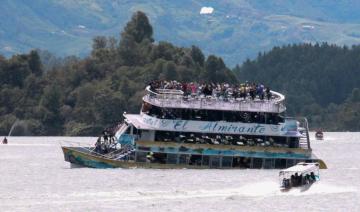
{"x":82,"y":96}
{"x":319,"y":81}
{"x":235,"y":30}
{"x":76,"y":96}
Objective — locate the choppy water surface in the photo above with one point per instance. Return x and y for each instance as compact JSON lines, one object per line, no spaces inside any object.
{"x":34,"y":177}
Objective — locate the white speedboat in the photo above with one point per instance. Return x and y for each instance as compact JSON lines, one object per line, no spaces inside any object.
{"x":300,"y":175}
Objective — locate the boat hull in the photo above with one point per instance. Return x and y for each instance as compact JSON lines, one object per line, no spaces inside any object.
{"x":83,"y":156}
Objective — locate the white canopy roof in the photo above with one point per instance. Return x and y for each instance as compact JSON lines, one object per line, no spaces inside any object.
{"x":137,"y":121}
{"x":301,"y":168}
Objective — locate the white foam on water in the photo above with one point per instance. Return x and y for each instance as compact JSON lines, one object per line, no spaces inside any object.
{"x":31,"y":145}
{"x":319,"y":188}
{"x":262,"y":189}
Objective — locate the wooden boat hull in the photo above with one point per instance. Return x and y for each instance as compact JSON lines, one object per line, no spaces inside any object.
{"x":81,"y":156}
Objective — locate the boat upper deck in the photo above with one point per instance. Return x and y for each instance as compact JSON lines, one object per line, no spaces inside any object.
{"x":174,"y":98}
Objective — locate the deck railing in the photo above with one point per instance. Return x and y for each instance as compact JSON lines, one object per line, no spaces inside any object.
{"x":306,"y":124}
{"x":176,"y":99}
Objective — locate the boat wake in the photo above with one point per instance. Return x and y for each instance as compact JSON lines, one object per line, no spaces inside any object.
{"x":263,"y":189}
{"x":30,"y":145}
{"x":254,"y":190}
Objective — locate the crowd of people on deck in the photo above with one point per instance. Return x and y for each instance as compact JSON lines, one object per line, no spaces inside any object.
{"x":242,"y":91}
{"x":299,"y":180}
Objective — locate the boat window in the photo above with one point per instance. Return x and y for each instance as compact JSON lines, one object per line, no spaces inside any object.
{"x":268,"y":163}
{"x":141,"y":156}
{"x":290,"y":162}
{"x":184,"y":159}
{"x":211,"y":138}
{"x":245,"y":162}
{"x":147,"y":135}
{"x":136,"y":131}
{"x":280,"y":163}
{"x":205,"y":160}
{"x":172,"y":159}
{"x":143,"y":148}
{"x":294,"y":142}
{"x":227,"y":162}
{"x":159,"y":158}
{"x":215,"y":162}
{"x":241,"y":162}
{"x":279,"y":141}
{"x":128,"y":130}
{"x":195,"y":160}
{"x":257,"y":163}
{"x":211,"y":115}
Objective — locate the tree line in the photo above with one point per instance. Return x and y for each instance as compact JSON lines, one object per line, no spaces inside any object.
{"x":320,"y":81}
{"x":45,"y":95}
{"x":80,"y":97}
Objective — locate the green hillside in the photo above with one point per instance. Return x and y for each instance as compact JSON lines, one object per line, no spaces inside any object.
{"x":78,"y":96}
{"x":319,"y":81}
{"x":236,"y":30}
{"x":82,"y":96}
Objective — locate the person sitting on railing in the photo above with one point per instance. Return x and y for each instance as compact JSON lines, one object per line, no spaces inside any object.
{"x":184,"y":89}
{"x":228,"y":93}
{"x":252,"y":91}
{"x":192,"y":88}
{"x":242,"y":91}
{"x":268,"y":93}
{"x":216,"y":91}
{"x":152,"y":89}
{"x":207,"y":91}
{"x":260,"y":91}
{"x":235,"y":93}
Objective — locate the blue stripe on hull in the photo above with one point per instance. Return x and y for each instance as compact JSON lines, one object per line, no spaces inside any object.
{"x":206,"y":151}
{"x":88,"y":162}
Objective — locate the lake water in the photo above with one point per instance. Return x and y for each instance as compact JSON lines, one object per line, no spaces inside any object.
{"x":34,"y":177}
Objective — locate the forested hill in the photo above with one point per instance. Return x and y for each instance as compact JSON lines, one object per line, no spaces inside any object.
{"x":321,"y":82}
{"x":83,"y":96}
{"x":235,"y":30}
